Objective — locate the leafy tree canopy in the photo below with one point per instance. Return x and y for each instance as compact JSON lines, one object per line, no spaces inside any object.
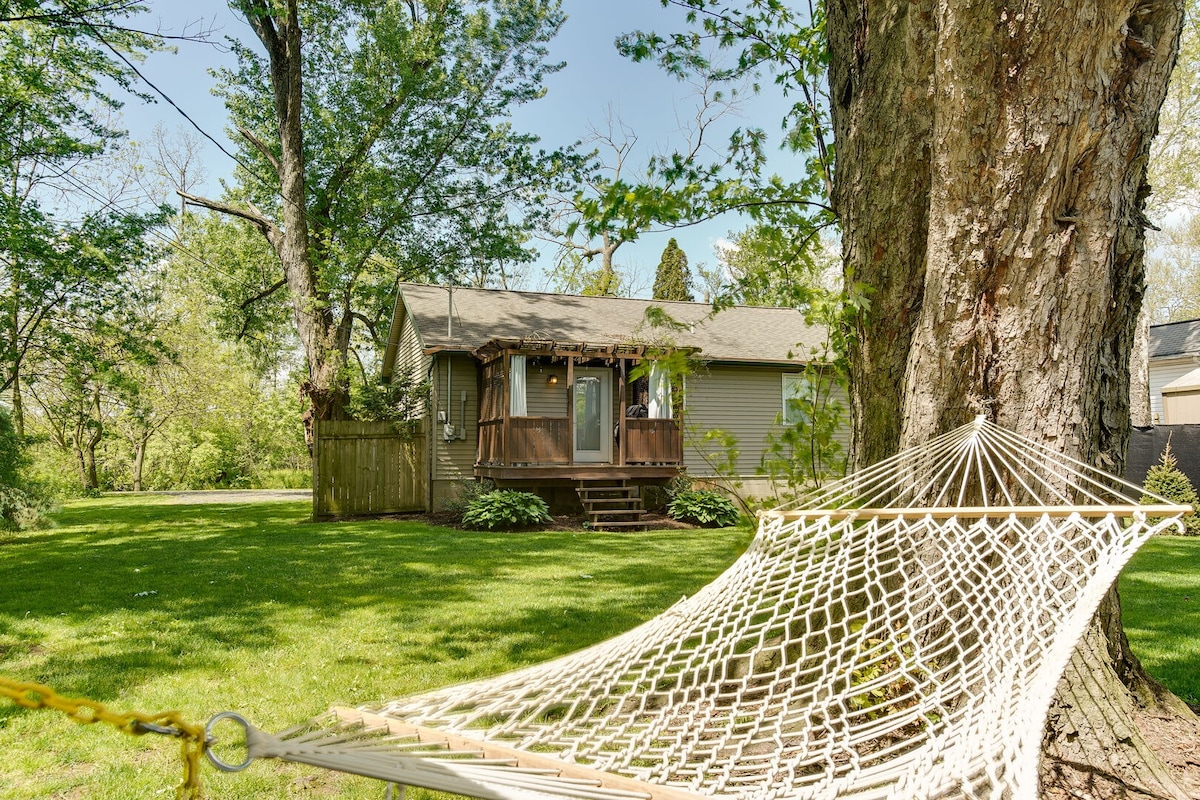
{"x":726,"y":45}
{"x":411,"y":166}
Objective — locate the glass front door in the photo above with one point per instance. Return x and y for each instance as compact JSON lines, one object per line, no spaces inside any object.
{"x":592,"y":396}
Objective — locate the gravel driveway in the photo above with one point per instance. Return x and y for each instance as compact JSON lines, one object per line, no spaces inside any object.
{"x":235,"y":495}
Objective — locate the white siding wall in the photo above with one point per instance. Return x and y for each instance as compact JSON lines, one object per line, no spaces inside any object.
{"x":1162,"y":373}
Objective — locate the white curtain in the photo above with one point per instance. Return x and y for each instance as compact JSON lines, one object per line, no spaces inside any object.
{"x":660,"y":392}
{"x":517,"y":407}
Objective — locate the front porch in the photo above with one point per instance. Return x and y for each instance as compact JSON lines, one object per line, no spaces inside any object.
{"x":567,"y":411}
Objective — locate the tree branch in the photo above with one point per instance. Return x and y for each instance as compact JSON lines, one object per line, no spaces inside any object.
{"x":345,"y":170}
{"x":252,"y":215}
{"x":265,"y":293}
{"x":261,"y":147}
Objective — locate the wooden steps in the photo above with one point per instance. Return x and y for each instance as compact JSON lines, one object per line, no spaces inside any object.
{"x":609,"y":505}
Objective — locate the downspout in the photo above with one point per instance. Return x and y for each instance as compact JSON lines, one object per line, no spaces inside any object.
{"x":448,"y":428}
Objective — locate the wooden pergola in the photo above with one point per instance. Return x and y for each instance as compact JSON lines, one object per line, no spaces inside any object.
{"x":542,"y":446}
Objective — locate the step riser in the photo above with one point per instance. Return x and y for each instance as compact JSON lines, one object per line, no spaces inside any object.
{"x":612,"y":506}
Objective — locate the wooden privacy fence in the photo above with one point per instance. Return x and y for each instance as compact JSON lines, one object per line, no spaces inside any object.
{"x":362,"y":468}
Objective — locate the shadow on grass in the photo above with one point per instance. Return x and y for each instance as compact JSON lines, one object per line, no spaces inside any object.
{"x":121,"y":592}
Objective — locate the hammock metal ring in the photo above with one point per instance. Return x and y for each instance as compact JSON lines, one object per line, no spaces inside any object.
{"x":213,"y":758}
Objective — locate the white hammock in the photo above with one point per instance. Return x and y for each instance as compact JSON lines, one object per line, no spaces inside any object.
{"x":899,"y":633}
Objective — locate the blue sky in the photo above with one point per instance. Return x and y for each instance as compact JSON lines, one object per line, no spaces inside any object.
{"x":594,"y":80}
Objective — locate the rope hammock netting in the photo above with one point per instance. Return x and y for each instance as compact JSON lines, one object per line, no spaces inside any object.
{"x":898,"y":633}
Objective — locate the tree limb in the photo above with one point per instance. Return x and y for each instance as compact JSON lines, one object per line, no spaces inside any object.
{"x":345,"y":170}
{"x":261,"y":147}
{"x":252,"y":215}
{"x":265,"y":293}
{"x":367,"y":323}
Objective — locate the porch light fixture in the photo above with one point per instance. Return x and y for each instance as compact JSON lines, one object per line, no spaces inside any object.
{"x":552,"y":380}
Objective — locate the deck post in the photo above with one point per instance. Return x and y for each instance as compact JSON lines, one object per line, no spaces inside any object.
{"x":621,"y":410}
{"x":506,"y":408}
{"x":571,"y":410}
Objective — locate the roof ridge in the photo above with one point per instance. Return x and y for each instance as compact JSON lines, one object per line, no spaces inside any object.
{"x":589,"y":297}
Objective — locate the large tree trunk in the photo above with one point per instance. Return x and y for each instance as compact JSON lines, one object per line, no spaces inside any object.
{"x":139,"y":462}
{"x":1022,"y":131}
{"x":880,"y":80}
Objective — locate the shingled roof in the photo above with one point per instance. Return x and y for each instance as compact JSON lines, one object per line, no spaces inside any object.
{"x":1175,"y":339}
{"x":740,"y":334}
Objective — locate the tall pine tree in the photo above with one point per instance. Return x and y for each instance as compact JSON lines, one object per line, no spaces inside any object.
{"x":672,"y":281}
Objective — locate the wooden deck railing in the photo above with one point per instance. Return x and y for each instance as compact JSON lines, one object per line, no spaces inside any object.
{"x":525,"y":440}
{"x":547,"y":440}
{"x":652,"y":441}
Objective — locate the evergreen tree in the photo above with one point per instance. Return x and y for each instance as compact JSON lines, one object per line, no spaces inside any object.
{"x":1166,"y":480}
{"x":672,"y":281}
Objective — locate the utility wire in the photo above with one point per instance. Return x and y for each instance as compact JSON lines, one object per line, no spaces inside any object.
{"x":173,"y":104}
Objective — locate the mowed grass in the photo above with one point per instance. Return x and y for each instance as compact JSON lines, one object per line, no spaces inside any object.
{"x":1160,"y":604}
{"x":144,"y":605}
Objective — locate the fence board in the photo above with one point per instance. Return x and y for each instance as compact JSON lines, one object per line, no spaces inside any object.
{"x":362,"y":468}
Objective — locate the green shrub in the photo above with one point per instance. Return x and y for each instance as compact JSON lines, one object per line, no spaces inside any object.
{"x":23,"y":504}
{"x":1166,"y":480}
{"x":22,"y":509}
{"x":703,"y":507}
{"x":285,"y":479}
{"x":506,"y":509}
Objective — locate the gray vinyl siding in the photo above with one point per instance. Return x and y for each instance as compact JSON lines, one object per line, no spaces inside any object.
{"x":745,"y":401}
{"x":410,"y":359}
{"x":542,"y":399}
{"x":454,"y":460}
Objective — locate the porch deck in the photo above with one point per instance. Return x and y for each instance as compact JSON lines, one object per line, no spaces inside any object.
{"x":584,"y":425}
{"x":577,"y":472}
{"x":525,"y":448}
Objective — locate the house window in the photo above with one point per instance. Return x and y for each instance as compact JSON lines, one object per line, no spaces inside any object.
{"x":797,"y":398}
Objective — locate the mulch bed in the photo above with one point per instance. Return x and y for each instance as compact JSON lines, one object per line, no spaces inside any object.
{"x":560,"y":522}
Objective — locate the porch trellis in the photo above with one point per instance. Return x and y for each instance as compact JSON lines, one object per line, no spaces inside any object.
{"x":899,"y":633}
{"x":511,"y":440}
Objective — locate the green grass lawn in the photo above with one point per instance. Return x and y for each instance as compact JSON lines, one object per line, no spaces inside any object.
{"x":148,"y":606}
{"x":1160,"y":603}
{"x":145,"y":605}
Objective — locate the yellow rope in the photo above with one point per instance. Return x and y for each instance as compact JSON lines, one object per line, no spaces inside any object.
{"x":87,"y":712}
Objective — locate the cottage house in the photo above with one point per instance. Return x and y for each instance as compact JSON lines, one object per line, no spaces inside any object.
{"x":543,"y":391}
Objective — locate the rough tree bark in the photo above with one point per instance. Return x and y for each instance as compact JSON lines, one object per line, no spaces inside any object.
{"x":991,"y":179}
{"x":881,"y":62}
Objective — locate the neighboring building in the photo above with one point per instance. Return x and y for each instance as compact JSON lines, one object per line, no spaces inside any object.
{"x":535,"y":390}
{"x":1174,"y":370}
